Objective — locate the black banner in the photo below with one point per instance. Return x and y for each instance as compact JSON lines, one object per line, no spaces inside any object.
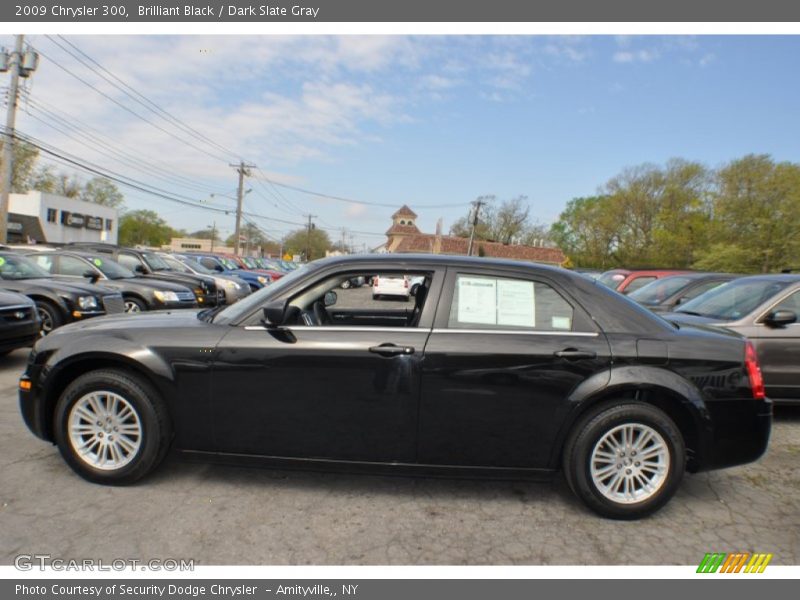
{"x":514,"y":11}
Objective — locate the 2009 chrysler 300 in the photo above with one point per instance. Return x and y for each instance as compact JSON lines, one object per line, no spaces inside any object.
{"x":497,"y":368}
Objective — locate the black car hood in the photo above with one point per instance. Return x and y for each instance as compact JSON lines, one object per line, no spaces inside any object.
{"x":123,"y":322}
{"x":13,"y":299}
{"x":55,"y":285}
{"x":148,"y":284}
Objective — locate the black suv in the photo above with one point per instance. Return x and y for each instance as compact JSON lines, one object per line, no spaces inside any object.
{"x":57,"y":302}
{"x":150,"y":264}
{"x":498,"y":368}
{"x":139,"y":293}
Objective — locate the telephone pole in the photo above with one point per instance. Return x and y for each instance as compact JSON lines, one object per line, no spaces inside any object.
{"x":477,"y":209}
{"x":213,"y":234}
{"x":244,"y":171}
{"x":308,"y":236}
{"x":21,"y":64}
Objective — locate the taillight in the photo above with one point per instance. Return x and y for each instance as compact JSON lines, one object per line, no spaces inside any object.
{"x":405,"y":282}
{"x":375,"y":281}
{"x":754,"y":371}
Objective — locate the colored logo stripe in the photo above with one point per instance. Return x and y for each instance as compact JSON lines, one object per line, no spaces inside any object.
{"x":734,"y":563}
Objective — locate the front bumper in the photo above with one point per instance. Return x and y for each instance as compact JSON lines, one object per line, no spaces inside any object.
{"x":739,"y":432}
{"x":18,"y":335}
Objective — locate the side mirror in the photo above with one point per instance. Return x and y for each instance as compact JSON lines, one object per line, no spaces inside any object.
{"x":330,"y":298}
{"x":218,"y":268}
{"x":140,"y":269}
{"x":91,"y":275}
{"x":780,"y":318}
{"x":274,"y":313}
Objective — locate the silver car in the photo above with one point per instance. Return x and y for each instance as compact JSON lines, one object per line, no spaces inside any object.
{"x":763,"y":308}
{"x":234,"y":288}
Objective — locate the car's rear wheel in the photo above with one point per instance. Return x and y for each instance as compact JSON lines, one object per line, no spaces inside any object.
{"x":625,"y":461}
{"x":134,"y":305}
{"x":50,"y":316}
{"x":112,"y":427}
{"x":346,"y":284}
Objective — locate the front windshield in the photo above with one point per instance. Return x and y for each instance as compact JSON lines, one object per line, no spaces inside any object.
{"x":228,"y":264}
{"x":733,"y":300}
{"x":197,"y":267}
{"x":19,"y":267}
{"x":176,"y":265}
{"x":611,"y":279}
{"x":250,"y":262}
{"x":244,"y":307}
{"x":155,"y":262}
{"x":659,"y":290}
{"x":111,"y":269}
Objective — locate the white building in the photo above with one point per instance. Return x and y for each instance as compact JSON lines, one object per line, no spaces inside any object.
{"x":42,"y":217}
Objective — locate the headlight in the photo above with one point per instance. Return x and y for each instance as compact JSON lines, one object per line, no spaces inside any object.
{"x":87,"y":302}
{"x":231,"y":285}
{"x":263,"y":280}
{"x":166,"y":296}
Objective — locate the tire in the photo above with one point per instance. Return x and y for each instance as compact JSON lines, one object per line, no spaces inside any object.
{"x":593,"y":466}
{"x":376,"y":297}
{"x":134,"y":305}
{"x":414,"y":289}
{"x":346,"y":284}
{"x":50,"y":316}
{"x":139,"y":409}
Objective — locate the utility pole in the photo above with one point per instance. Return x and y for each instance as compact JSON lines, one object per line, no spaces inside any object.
{"x":213,"y":234}
{"x":308,"y":236}
{"x":21,"y":64}
{"x":477,"y":209}
{"x":244,"y":171}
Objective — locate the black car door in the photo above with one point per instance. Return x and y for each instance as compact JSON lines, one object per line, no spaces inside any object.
{"x":504,"y":355}
{"x":339,"y":392}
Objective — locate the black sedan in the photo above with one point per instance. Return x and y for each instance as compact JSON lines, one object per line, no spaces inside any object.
{"x":139,"y":293}
{"x":57,"y":302}
{"x":498,"y":369}
{"x":666,"y":294}
{"x":19,"y":322}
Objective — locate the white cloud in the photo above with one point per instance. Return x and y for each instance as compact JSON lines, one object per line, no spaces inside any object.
{"x":632,"y":56}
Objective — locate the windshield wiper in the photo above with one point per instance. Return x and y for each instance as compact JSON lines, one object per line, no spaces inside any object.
{"x":690,"y":312}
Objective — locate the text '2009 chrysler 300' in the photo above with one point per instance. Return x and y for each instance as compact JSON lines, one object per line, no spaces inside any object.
{"x":496,"y":369}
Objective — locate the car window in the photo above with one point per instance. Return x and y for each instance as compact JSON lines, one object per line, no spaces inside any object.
{"x":659,"y":290}
{"x":20,"y":267}
{"x":611,"y":279}
{"x":638,"y":283}
{"x":129,"y":261}
{"x":734,"y":299}
{"x":700,"y":290}
{"x":69,"y":265}
{"x":44,"y":261}
{"x":791,"y":303}
{"x":481,"y":302}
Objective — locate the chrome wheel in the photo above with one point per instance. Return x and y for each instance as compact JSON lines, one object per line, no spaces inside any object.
{"x":132,"y":307}
{"x":104,"y":430}
{"x":46,"y":320}
{"x":630,"y":463}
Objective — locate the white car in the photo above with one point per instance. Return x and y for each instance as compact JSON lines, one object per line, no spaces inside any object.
{"x":391,"y":285}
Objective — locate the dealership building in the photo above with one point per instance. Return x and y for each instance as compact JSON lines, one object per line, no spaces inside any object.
{"x":38,"y":217}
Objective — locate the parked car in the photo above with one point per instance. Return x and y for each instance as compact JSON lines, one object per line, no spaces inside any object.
{"x":764,"y":308}
{"x":231,"y":287}
{"x":138,"y":293}
{"x":353,"y":282}
{"x":57,"y":302}
{"x":224,"y":266}
{"x":19,"y":322}
{"x":666,"y":293}
{"x":626,"y":281}
{"x":388,"y":284}
{"x":249,"y":264}
{"x":500,"y":369}
{"x":149,"y":264}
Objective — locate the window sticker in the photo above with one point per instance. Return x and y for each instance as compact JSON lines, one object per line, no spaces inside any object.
{"x":97,"y":262}
{"x":2,"y":261}
{"x":562,"y":323}
{"x":477,"y":300}
{"x":516,"y":304}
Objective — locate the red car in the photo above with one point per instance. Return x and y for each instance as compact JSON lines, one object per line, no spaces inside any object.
{"x":243,"y":264}
{"x":626,"y":281}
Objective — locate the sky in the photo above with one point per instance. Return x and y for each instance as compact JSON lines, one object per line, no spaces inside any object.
{"x":428,"y":121}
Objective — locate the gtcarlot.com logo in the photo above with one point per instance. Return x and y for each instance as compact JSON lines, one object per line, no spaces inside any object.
{"x":735,"y":562}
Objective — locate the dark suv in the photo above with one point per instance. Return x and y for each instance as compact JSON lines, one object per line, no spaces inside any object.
{"x":150,"y":264}
{"x":139,"y":293}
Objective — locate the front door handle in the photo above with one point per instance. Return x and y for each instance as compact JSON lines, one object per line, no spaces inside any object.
{"x":575,"y":354}
{"x":391,"y":350}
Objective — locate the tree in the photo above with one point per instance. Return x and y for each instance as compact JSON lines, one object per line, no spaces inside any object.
{"x":205,"y":234}
{"x":144,"y":227}
{"x":508,"y":223}
{"x":102,"y":191}
{"x":315,"y":241}
{"x":24,"y":158}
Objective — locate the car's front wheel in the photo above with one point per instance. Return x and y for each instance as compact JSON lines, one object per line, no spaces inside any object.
{"x":50,"y":316}
{"x":112,"y":427}
{"x":134,"y":305}
{"x":625,"y":461}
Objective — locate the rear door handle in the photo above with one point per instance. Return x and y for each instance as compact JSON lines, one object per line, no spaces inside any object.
{"x":391,"y":350}
{"x":574,"y":354}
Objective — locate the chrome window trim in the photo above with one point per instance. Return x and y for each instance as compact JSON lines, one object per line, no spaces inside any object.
{"x":518,"y":332}
{"x":340,"y":328}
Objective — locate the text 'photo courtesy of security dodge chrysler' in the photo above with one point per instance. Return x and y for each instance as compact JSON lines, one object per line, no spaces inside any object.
{"x":493,"y":369}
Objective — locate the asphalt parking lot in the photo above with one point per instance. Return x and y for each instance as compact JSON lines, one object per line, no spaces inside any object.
{"x":226,"y":515}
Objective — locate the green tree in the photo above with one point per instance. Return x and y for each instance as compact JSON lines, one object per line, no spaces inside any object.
{"x":24,"y":159}
{"x":316,"y":242}
{"x":102,"y":191}
{"x":144,"y":227}
{"x":507,"y":223}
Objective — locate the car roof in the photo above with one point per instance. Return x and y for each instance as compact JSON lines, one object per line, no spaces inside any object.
{"x":437,"y":259}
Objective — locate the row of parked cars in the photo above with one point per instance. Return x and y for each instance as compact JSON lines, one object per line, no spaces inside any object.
{"x":762,"y":308}
{"x":42,"y":288}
